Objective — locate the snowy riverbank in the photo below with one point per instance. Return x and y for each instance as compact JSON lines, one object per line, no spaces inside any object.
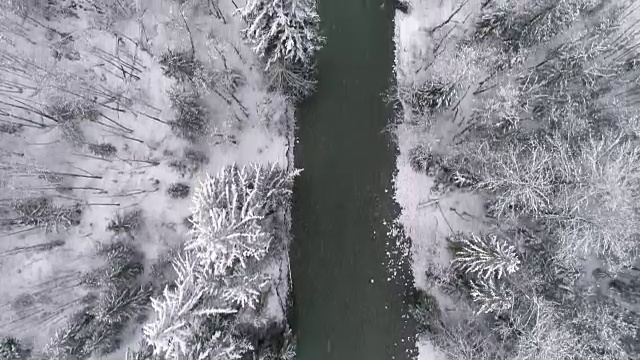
{"x":427,"y":216}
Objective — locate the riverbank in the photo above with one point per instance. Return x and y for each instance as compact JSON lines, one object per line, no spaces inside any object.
{"x":429,"y":214}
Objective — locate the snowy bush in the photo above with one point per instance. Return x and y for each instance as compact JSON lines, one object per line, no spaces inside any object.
{"x":191,"y":162}
{"x":41,"y":212}
{"x":181,"y":65}
{"x":294,"y":80}
{"x":285,"y":31}
{"x":228,"y":210}
{"x":434,"y":95}
{"x":69,"y":114}
{"x":126,"y":222}
{"x":282,"y":349}
{"x":191,"y":121}
{"x":103,"y":150}
{"x":123,"y":265}
{"x":426,"y":312}
{"x":422,"y":159}
{"x":520,"y":176}
{"x":599,"y":211}
{"x":12,"y":349}
{"x":178,"y":190}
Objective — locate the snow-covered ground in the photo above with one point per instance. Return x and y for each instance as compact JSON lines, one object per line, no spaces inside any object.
{"x":428,"y":217}
{"x":116,"y":66}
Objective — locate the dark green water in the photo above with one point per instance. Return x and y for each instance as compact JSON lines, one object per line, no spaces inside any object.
{"x":343,"y":197}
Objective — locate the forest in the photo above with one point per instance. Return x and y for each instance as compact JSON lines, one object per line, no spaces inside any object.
{"x":146,"y":174}
{"x":528,"y":111}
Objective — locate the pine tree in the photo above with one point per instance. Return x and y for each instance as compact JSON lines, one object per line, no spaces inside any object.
{"x":284,"y":31}
{"x":492,"y":296}
{"x":227,"y":213}
{"x":485,"y":256}
{"x":177,"y":311}
{"x":219,"y":277}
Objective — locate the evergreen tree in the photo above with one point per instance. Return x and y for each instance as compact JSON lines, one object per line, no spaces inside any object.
{"x":285,"y":31}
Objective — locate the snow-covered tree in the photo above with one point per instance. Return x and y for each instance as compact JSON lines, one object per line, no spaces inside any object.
{"x":485,"y":256}
{"x":172,"y":330}
{"x":228,"y":211}
{"x":492,"y":296}
{"x":219,"y":278}
{"x":283,"y":30}
{"x":244,"y":289}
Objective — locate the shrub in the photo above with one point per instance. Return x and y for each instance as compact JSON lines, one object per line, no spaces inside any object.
{"x":126,"y":222}
{"x":181,"y":65}
{"x":10,"y":128}
{"x":426,"y":312}
{"x":295,"y":81}
{"x":282,"y":347}
{"x":41,"y":212}
{"x":124,"y":265}
{"x":191,"y":162}
{"x":434,"y":95}
{"x":422,"y":159}
{"x":70,"y":114}
{"x":104,"y":150}
{"x":191,"y":122}
{"x":178,"y":190}
{"x":12,"y":349}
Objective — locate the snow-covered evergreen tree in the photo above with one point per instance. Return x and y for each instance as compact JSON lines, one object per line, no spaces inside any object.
{"x":219,"y":274}
{"x":228,"y":210}
{"x":283,"y":30}
{"x":177,"y":310}
{"x":492,"y":296}
{"x":485,"y":256}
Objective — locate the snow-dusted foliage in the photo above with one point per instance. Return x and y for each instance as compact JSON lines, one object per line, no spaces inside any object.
{"x":284,"y":31}
{"x":244,"y":289}
{"x":486,"y":256}
{"x":492,"y":296}
{"x":228,"y":210}
{"x":178,"y":311}
{"x":219,"y":276}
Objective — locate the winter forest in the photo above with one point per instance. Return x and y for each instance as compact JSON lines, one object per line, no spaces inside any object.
{"x":146,"y":176}
{"x":521,"y":119}
{"x":162,"y":163}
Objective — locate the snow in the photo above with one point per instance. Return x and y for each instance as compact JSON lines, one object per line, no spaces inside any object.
{"x":40,"y":286}
{"x":427,"y":218}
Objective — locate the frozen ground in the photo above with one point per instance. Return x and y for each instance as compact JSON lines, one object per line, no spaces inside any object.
{"x":114,"y":65}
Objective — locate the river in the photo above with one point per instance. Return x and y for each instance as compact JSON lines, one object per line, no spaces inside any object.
{"x":344,"y":305}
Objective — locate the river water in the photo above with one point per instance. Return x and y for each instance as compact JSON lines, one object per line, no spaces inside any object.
{"x":344,"y":305}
